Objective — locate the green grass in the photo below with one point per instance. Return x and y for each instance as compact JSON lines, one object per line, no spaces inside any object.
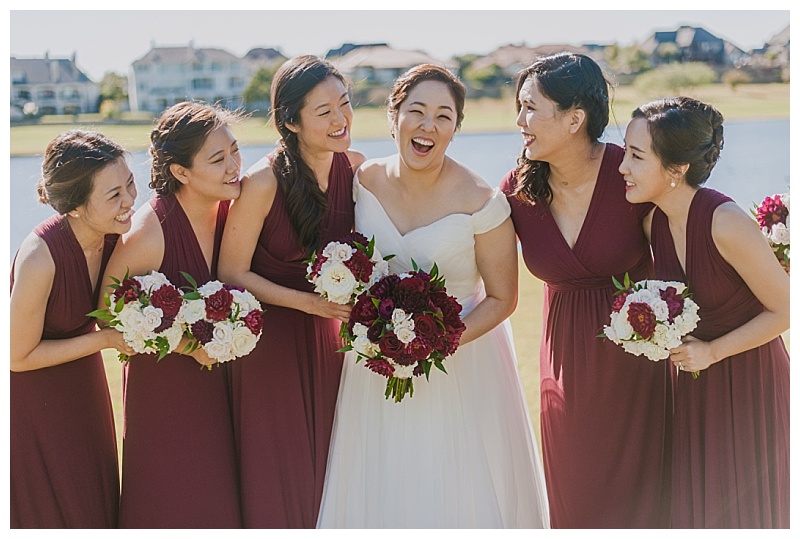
{"x":748,"y":102}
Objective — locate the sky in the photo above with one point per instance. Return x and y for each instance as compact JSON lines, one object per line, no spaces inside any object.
{"x":111,"y":40}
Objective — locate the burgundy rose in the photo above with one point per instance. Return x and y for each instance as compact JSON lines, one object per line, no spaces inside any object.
{"x":380,"y":366}
{"x":203,"y":331}
{"x":166,"y":323}
{"x":674,"y":302}
{"x":218,"y":305}
{"x":128,"y":289}
{"x":360,"y":265}
{"x":386,"y":308}
{"x":642,"y":319}
{"x":391,"y":346}
{"x":168,"y":299}
{"x":426,"y":327}
{"x":364,"y":311}
{"x":619,"y":302}
{"x":254,"y":321}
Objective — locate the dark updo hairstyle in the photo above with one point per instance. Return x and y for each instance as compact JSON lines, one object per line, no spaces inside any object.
{"x":570,"y":80}
{"x":305,"y":202}
{"x":684,"y":131}
{"x":420,"y":73}
{"x":180,"y":132}
{"x":71,"y":162}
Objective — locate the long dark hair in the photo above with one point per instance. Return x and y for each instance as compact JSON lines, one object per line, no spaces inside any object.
{"x":569,"y":80}
{"x":684,"y":131}
{"x":71,"y":162}
{"x":306,"y":204}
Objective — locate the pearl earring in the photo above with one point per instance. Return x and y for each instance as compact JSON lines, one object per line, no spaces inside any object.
{"x":672,"y":184}
{"x":74,"y":215}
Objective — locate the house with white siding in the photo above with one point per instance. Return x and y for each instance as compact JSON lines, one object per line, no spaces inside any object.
{"x":51,"y":86}
{"x":168,"y":75}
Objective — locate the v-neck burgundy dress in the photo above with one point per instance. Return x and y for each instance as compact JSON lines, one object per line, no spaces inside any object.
{"x":731,"y":434}
{"x":178,"y":458}
{"x":604,"y":412}
{"x":284,"y":392}
{"x":63,"y":445}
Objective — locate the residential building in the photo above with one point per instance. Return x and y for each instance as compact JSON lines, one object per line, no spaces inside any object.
{"x":168,"y":75}
{"x":691,"y":44}
{"x":51,"y":86}
{"x":513,"y":58}
{"x":260,"y":57}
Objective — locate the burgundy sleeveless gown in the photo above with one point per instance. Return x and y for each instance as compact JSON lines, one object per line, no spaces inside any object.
{"x":178,"y":458}
{"x":604,"y":413}
{"x":63,"y":445}
{"x":731,"y":434}
{"x":284,"y":392}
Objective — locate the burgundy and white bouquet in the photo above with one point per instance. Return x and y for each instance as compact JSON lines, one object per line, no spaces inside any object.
{"x":402,"y":325}
{"x":225,"y":320}
{"x":650,"y":317}
{"x":345,"y":268}
{"x":773,"y":218}
{"x":145,"y":310}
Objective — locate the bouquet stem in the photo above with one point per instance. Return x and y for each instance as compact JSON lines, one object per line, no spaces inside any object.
{"x":398,"y":387}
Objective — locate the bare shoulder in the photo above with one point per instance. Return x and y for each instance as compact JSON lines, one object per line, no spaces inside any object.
{"x":34,"y":261}
{"x":372,"y":172}
{"x":730,"y":221}
{"x":470,"y":186}
{"x":260,"y":182}
{"x":144,"y":242}
{"x":356,"y":158}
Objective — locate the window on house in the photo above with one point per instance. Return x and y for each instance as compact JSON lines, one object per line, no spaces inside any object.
{"x":202,"y":84}
{"x":72,"y":109}
{"x":46,"y":94}
{"x":24,"y":94}
{"x":235,"y":82}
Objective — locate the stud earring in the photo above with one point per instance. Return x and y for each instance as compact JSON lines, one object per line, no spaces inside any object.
{"x":672,"y":184}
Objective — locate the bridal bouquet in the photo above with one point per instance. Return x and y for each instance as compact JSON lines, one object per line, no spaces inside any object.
{"x":225,"y":320}
{"x":145,"y":310}
{"x":345,"y":268}
{"x":773,"y":218}
{"x":650,"y":317}
{"x":402,"y":325}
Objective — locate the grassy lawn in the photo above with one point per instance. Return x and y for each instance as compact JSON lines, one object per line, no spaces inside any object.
{"x":748,"y":102}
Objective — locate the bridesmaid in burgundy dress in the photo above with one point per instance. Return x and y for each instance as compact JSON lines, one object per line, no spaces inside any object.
{"x":603,"y":412}
{"x":731,"y":428}
{"x":295,"y":201}
{"x":178,"y":459}
{"x":63,"y":448}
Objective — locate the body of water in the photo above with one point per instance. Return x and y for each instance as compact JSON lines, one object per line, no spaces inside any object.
{"x":754,"y":164}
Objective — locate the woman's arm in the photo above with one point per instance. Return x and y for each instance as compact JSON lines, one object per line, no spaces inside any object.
{"x":239,"y":241}
{"x":33,"y":279}
{"x":496,"y":256}
{"x":742,"y":245}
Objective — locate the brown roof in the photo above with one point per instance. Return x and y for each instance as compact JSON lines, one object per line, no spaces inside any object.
{"x":522,"y":55}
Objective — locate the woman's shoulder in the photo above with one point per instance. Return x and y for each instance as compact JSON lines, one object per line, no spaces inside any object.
{"x":373,"y":170}
{"x":356,"y":159}
{"x":34,"y":257}
{"x":473,"y":190}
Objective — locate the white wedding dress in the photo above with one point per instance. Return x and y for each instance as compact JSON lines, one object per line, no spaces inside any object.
{"x":461,"y":452}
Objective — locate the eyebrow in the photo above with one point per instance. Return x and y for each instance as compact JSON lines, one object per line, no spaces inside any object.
{"x":117,"y":188}
{"x":636,"y":148}
{"x":420,"y":103}
{"x":328,"y":104}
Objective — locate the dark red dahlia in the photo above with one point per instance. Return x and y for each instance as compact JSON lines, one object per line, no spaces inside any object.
{"x":674,"y":302}
{"x":316,"y":266}
{"x":128,"y":289}
{"x":419,"y":348}
{"x":168,"y":299}
{"x":364,"y":311}
{"x":354,"y":237}
{"x":380,"y":366}
{"x":384,"y":287}
{"x":232,"y":287}
{"x":218,"y":305}
{"x":202,"y":331}
{"x":166,"y":323}
{"x":642,"y":319}
{"x":254,"y":320}
{"x":772,"y":211}
{"x":360,"y":265}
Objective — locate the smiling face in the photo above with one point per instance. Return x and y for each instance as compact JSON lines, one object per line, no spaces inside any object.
{"x":110,"y":205}
{"x":544,"y":128}
{"x":425,"y":125}
{"x":325,"y":119}
{"x":216,"y":168}
{"x":645,"y":178}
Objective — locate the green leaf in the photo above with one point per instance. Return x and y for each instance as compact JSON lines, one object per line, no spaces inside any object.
{"x":102,"y":314}
{"x":189,"y":296}
{"x":439,"y":365}
{"x":414,"y":265}
{"x":617,"y":283}
{"x":426,"y":367}
{"x":190,"y":279}
{"x":119,"y":305}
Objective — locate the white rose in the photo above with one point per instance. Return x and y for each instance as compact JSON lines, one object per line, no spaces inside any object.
{"x":785,"y":199}
{"x":403,"y":371}
{"x":135,"y":341}
{"x":218,"y":350}
{"x":365,"y":347}
{"x":360,"y":330}
{"x":620,"y":326}
{"x":779,"y":234}
{"x":126,"y":317}
{"x":337,"y":252}
{"x":223,"y":332}
{"x":173,"y":335}
{"x":338,"y":283}
{"x":243,"y":341}
{"x":404,"y":334}
{"x":191,"y":311}
{"x":153,"y":281}
{"x":399,"y":316}
{"x":152,"y":317}
{"x":660,"y":309}
{"x":209,"y":288}
{"x":247,"y":302}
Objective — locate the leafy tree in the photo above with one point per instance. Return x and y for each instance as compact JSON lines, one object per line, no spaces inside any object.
{"x":630,"y":59}
{"x":673,"y":78}
{"x":114,"y":87}
{"x":257,"y":92}
{"x":735,"y":77}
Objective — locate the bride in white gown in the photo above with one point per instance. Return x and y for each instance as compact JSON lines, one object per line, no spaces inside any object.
{"x":461,"y":452}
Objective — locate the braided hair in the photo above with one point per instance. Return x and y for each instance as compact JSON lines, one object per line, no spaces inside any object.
{"x":570,"y":80}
